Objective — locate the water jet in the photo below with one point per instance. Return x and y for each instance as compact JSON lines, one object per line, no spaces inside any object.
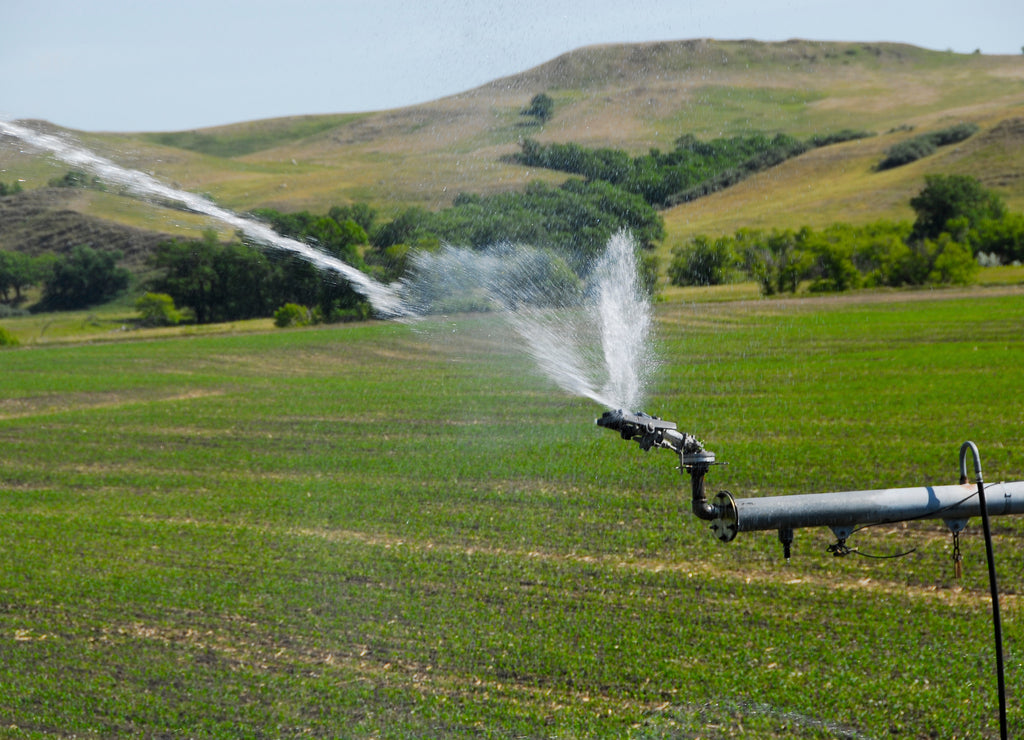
{"x":593,"y":345}
{"x":384,"y":299}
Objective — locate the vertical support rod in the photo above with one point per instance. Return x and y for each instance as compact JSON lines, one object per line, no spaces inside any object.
{"x":996,"y":623}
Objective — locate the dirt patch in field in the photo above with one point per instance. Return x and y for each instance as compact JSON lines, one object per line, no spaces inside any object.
{"x":56,"y":403}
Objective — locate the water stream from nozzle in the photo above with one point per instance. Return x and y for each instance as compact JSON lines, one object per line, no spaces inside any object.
{"x":592,"y":343}
{"x":384,"y":299}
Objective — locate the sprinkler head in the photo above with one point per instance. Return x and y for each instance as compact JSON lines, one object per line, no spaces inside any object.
{"x":633,"y":426}
{"x":650,"y":431}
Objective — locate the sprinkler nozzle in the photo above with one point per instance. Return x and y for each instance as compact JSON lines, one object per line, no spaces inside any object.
{"x":650,"y":431}
{"x":633,"y":425}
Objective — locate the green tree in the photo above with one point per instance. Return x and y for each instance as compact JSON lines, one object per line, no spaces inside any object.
{"x":188,"y":273}
{"x":336,"y":233}
{"x":361,"y":213}
{"x":244,"y":286}
{"x":338,"y":239}
{"x":541,"y":107}
{"x":946,"y":197}
{"x":778,"y":260}
{"x":882,"y":255}
{"x":7,"y":339}
{"x":407,"y":227}
{"x":649,"y":269}
{"x":85,"y":277}
{"x":701,"y":261}
{"x":19,"y":271}
{"x":832,"y":252}
{"x":228,"y":282}
{"x":387,"y":264}
{"x":219,"y":282}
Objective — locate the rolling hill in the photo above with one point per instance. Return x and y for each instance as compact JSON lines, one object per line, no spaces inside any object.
{"x":633,"y":96}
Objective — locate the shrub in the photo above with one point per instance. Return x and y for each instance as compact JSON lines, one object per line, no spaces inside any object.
{"x":158,"y":309}
{"x":1002,"y":238}
{"x":7,"y":339}
{"x":953,"y":262}
{"x":337,"y":315}
{"x":13,"y":189}
{"x":839,"y":137}
{"x":76,"y":179}
{"x":702,"y":261}
{"x":913,"y":149}
{"x":953,"y":134}
{"x":292,"y":314}
{"x":906,"y":152}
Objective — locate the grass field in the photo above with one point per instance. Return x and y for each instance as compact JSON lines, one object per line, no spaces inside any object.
{"x":394,"y":531}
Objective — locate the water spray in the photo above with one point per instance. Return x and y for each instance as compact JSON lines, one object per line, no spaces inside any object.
{"x":385,"y":299}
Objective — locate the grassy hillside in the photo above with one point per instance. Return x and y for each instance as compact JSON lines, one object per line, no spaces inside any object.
{"x":636,"y":97}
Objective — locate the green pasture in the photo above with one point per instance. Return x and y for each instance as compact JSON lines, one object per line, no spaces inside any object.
{"x":403,"y":531}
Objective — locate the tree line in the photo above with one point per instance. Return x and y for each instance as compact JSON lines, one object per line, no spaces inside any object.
{"x":959,"y":225}
{"x":693,"y":168}
{"x":229,"y":281}
{"x":222,"y":282}
{"x":83,"y":277}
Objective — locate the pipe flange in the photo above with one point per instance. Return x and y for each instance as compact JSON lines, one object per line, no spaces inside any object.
{"x":725,"y":525}
{"x":704,"y":457}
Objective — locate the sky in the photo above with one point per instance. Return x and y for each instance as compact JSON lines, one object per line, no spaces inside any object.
{"x":133,"y":65}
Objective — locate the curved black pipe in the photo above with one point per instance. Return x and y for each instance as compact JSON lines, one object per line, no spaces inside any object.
{"x":702,"y":508}
{"x":996,"y":622}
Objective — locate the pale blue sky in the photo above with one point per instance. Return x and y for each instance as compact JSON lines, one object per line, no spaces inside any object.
{"x":132,"y":65}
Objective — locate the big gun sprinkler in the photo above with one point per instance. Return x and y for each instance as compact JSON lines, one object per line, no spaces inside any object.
{"x":842,"y":511}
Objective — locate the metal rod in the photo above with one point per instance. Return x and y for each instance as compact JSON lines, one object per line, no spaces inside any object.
{"x":996,"y":622}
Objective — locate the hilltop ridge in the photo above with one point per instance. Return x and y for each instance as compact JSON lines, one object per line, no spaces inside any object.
{"x":629,"y":96}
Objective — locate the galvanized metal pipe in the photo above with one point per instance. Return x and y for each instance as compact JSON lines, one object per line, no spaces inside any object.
{"x":848,"y":509}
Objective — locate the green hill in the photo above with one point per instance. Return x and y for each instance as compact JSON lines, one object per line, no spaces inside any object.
{"x":633,"y":96}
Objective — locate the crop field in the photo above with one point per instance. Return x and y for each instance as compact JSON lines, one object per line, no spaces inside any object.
{"x":403,"y":531}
